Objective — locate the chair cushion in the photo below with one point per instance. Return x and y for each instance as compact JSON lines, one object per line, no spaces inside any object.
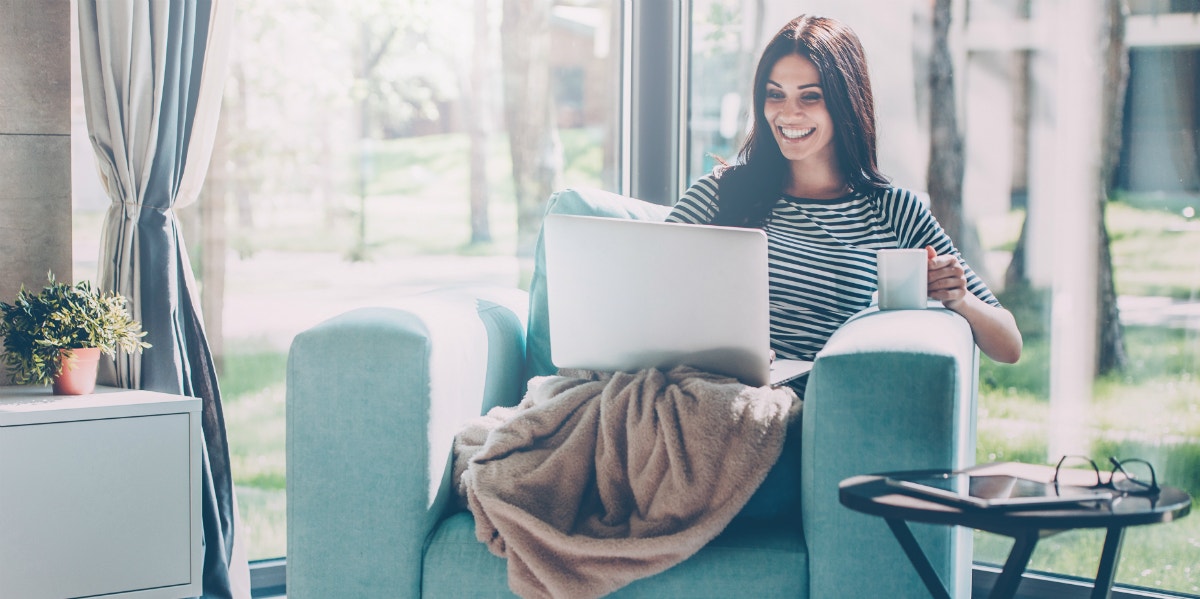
{"x":747,"y":560}
{"x":581,"y":202}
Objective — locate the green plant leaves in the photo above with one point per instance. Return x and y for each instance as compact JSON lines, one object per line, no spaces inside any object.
{"x":62,"y":316}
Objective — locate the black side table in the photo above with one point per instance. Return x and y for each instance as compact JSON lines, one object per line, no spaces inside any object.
{"x":872,"y":495}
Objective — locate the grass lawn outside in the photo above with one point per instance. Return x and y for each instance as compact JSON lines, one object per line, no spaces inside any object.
{"x":1153,"y":415}
{"x":1151,"y":411}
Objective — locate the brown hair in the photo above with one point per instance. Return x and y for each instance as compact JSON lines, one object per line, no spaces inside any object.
{"x":749,"y":189}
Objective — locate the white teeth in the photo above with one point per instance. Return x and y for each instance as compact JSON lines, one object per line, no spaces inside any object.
{"x":796,"y":133}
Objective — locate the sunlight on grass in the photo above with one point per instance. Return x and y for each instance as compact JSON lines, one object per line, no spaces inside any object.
{"x":253,"y":387}
{"x":1154,"y":252}
{"x":1161,"y":556}
{"x":256,"y":425}
{"x":264,"y":521}
{"x":1152,"y":411}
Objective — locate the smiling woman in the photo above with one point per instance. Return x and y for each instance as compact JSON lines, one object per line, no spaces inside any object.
{"x":807,"y":175}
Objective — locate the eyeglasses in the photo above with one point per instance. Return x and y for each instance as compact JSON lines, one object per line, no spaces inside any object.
{"x":1137,"y":476}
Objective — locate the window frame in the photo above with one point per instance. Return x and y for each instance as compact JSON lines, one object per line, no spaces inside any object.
{"x":658,"y":99}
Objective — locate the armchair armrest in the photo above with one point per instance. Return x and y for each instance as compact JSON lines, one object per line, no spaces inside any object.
{"x":374,"y":398}
{"x":892,"y":390}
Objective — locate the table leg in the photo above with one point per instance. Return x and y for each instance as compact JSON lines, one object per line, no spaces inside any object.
{"x":1108,"y":563}
{"x":918,"y":558}
{"x":1014,"y":567}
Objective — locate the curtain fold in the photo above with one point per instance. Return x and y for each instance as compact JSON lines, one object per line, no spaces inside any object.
{"x":153,"y":76}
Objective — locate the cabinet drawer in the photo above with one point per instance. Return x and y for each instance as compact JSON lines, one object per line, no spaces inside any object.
{"x":94,"y":507}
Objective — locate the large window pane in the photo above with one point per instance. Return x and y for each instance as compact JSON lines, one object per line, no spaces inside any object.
{"x":352,"y":136}
{"x":1055,"y":399}
{"x":725,"y":43}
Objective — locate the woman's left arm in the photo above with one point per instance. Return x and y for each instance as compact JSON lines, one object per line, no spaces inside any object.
{"x":995,"y":329}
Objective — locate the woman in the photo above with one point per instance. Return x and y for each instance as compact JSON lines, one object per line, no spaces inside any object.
{"x":807,"y":174}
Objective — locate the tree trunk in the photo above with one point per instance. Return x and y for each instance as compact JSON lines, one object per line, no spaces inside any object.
{"x":372,"y":53}
{"x":1110,"y":341}
{"x":1016,"y":277}
{"x":756,"y":21}
{"x":946,"y":165}
{"x":359,"y":252}
{"x":1110,"y":347}
{"x":529,"y":114}
{"x":478,"y":124}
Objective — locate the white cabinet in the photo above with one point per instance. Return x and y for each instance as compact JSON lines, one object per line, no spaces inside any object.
{"x":99,"y":494}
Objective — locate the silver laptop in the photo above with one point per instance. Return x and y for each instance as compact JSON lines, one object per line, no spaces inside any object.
{"x":624,"y":295}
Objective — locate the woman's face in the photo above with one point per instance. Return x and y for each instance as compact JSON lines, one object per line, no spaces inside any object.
{"x":796,"y":112}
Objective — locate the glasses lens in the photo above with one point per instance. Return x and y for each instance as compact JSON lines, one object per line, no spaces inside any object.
{"x":1133,"y":476}
{"x":1077,"y":471}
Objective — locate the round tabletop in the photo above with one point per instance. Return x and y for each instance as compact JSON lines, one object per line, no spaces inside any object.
{"x":871,"y":494}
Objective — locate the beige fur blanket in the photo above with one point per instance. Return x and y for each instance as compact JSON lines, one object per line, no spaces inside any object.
{"x":594,"y":481}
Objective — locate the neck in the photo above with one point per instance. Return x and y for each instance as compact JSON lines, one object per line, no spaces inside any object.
{"x":816,"y":183}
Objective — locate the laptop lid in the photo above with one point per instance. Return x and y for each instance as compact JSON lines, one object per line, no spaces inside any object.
{"x":624,"y":295}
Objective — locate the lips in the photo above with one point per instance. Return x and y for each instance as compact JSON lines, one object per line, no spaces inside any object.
{"x":793,"y":133}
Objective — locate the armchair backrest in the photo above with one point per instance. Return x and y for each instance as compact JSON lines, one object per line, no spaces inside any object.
{"x":581,"y":202}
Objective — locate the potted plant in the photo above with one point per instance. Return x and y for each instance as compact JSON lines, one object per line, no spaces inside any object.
{"x":57,"y":335}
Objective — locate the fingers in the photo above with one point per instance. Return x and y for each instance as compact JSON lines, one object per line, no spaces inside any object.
{"x":947,"y":278}
{"x":937,"y":262}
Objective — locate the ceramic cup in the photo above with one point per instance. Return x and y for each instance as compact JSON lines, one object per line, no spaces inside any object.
{"x":903,"y":278}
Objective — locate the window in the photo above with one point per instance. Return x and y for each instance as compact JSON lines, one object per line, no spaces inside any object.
{"x":344,"y":170}
{"x":351,"y":137}
{"x":1049,"y":403}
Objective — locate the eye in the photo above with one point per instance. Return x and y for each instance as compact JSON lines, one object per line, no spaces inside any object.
{"x":775,"y":94}
{"x":810,"y":97}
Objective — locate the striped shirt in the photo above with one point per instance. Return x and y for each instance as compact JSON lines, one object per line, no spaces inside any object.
{"x":821,"y":256}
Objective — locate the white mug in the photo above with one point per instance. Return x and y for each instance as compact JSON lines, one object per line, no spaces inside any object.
{"x":903,"y":278}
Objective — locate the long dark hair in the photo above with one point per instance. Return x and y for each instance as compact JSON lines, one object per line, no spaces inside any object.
{"x":749,"y":189}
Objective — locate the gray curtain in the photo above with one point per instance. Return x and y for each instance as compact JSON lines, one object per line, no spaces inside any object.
{"x":153,"y":74}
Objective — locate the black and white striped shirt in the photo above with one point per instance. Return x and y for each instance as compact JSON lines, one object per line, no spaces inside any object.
{"x":821,"y":256}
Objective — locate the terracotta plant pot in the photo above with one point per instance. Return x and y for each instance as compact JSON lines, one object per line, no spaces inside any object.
{"x":78,"y":375}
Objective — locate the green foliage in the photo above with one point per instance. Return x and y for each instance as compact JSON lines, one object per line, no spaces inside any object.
{"x":1029,"y":377}
{"x":62,"y":316}
{"x":1154,"y":248}
{"x":252,"y":372}
{"x":1149,"y":412}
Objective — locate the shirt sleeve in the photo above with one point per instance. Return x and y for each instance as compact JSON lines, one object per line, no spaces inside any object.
{"x":698,"y":206}
{"x":916,"y":227}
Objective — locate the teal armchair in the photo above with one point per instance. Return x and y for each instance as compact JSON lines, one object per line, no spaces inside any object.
{"x":375,"y":396}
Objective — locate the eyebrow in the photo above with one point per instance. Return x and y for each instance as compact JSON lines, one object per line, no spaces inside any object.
{"x":805,"y":86}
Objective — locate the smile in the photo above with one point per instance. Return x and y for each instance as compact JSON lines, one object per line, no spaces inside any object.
{"x":796,"y":133}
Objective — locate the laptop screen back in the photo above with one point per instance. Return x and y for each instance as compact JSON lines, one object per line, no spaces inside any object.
{"x":624,"y":295}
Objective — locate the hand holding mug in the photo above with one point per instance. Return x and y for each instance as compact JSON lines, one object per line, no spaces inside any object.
{"x":947,"y":279}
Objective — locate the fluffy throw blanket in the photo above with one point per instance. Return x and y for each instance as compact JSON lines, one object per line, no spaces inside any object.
{"x":596,"y":480}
